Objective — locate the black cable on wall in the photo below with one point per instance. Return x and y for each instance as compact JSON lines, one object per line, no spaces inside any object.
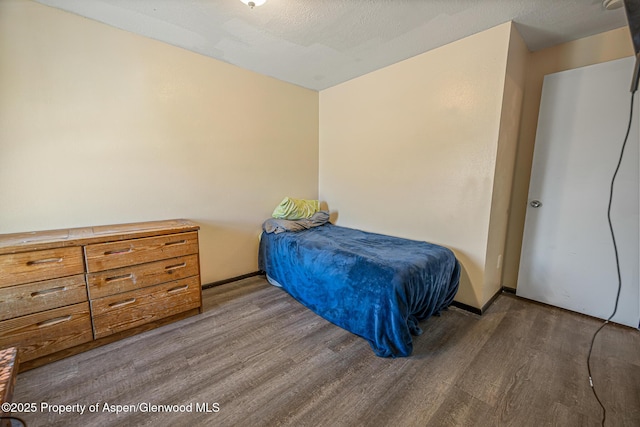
{"x":615,"y":250}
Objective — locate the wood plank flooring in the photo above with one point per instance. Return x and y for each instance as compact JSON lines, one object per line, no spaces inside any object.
{"x":268,"y":361}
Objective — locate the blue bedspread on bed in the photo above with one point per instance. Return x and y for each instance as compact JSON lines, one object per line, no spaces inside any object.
{"x":375,"y":286}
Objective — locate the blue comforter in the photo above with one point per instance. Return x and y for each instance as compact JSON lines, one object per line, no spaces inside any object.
{"x":375,"y":286}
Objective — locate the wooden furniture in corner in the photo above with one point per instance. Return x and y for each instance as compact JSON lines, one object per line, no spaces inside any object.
{"x":8,"y":374}
{"x":66,"y":291}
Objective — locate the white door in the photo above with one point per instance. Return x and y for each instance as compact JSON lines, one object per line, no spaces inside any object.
{"x":567,"y":253}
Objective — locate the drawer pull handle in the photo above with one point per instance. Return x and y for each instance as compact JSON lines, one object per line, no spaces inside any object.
{"x":118,"y":251}
{"x":177,"y":242}
{"x":48,"y":291}
{"x":44,"y":261}
{"x":171,"y":268}
{"x":116,"y":278}
{"x":52,"y":322}
{"x":178,"y":289}
{"x":122,"y":303}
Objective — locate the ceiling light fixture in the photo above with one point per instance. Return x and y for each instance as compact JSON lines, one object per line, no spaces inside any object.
{"x":612,"y":4}
{"x":253,"y":3}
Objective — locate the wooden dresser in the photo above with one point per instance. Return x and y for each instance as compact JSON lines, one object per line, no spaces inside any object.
{"x":66,"y":291}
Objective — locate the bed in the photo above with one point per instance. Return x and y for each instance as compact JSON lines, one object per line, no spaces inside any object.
{"x":376,"y":286}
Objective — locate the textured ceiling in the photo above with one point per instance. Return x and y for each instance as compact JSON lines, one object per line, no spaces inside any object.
{"x":320,"y":43}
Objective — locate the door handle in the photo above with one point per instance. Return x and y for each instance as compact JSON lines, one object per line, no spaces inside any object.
{"x":535,"y":203}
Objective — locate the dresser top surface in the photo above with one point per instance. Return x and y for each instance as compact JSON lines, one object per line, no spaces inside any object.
{"x":47,"y":239}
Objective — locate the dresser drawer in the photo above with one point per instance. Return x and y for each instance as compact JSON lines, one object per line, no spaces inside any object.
{"x":127,"y":310}
{"x":16,"y":301}
{"x":125,"y":279}
{"x":35,"y":266}
{"x":106,"y":256}
{"x":43,"y":333}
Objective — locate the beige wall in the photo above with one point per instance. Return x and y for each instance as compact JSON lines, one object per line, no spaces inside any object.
{"x":514,"y":84}
{"x":100,"y":126}
{"x":410,"y":150}
{"x":602,"y":47}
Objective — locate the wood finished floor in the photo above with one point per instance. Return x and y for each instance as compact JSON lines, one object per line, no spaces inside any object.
{"x":268,"y":361}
